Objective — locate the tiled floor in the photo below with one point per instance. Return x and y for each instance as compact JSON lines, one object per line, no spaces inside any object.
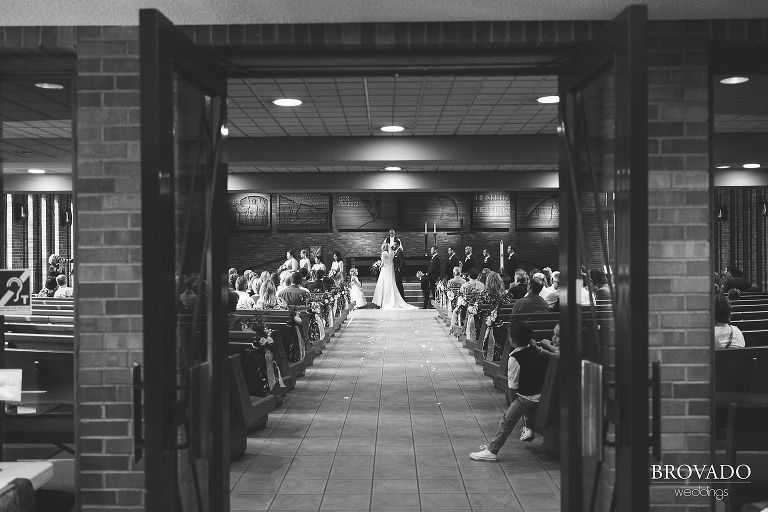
{"x":385,"y":420}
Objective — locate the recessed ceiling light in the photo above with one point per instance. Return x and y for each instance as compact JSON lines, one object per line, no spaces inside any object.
{"x":734,"y":80}
{"x":287,"y":102}
{"x":46,"y":85}
{"x":392,"y":128}
{"x":723,"y":166}
{"x":751,"y":166}
{"x":224,"y":131}
{"x":549,"y":99}
{"x":36,"y":171}
{"x":393,"y":168}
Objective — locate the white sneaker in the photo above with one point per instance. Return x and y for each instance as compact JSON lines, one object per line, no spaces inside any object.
{"x":527,"y":434}
{"x":484,"y":454}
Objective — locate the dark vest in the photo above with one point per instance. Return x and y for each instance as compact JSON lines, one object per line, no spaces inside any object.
{"x":533,"y":369}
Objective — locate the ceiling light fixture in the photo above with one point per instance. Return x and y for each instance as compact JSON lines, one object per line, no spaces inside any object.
{"x":287,"y":102}
{"x":723,"y":166}
{"x":47,"y":85}
{"x":751,"y":166}
{"x":549,"y":99}
{"x":392,"y":129}
{"x":393,"y":168}
{"x":734,"y":80}
{"x":36,"y":171}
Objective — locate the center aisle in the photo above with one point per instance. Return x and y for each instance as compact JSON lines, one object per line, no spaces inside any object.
{"x":385,"y":420}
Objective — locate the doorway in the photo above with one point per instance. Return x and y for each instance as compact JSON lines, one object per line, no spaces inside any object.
{"x":615,"y":401}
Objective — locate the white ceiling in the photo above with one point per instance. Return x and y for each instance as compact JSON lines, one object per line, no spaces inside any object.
{"x":125,"y":12}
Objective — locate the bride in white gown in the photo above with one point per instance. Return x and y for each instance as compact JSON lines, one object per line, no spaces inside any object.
{"x":386,"y":295}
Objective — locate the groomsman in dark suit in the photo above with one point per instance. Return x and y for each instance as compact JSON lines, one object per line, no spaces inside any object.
{"x":488,"y":261}
{"x":469,"y":261}
{"x":510,"y":261}
{"x":429,"y":279}
{"x":453,"y":261}
{"x":399,"y":264}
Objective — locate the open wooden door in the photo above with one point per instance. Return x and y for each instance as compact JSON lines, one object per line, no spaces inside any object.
{"x":186,"y":409}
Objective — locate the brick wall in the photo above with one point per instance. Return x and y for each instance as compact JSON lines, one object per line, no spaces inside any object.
{"x":680,"y":273}
{"x":107,"y":185}
{"x":250,"y":250}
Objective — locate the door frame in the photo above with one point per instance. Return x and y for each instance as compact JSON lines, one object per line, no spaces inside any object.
{"x":625,"y":35}
{"x":464,"y":63}
{"x":164,"y":50}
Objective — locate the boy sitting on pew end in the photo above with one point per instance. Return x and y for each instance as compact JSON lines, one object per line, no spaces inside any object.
{"x":526,"y":371}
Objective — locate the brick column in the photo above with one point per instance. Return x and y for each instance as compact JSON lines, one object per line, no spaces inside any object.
{"x":680,"y":270}
{"x":107,"y":186}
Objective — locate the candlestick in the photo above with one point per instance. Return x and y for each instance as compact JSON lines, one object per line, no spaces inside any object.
{"x":501,"y":254}
{"x":425,"y":228}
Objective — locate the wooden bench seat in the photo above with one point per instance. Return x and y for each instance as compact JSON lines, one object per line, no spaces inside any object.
{"x":38,"y":341}
{"x":36,"y":328}
{"x":40,"y":319}
{"x":751,"y":325}
{"x":742,"y":370}
{"x":757,"y":338}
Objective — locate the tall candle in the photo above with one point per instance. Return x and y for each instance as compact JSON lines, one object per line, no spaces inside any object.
{"x":501,"y":254}
{"x":434,"y":227}
{"x":425,"y":228}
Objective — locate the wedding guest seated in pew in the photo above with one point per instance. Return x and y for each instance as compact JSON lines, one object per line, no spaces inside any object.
{"x":494,"y":292}
{"x":321,"y":283}
{"x":526,"y":371}
{"x":244,"y":300}
{"x":734,"y":278}
{"x":734,"y":294}
{"x":62,"y":290}
{"x":532,"y":302}
{"x":232,"y":278}
{"x":599,"y":284}
{"x":552,"y":345}
{"x":294,"y":294}
{"x":726,"y":335}
{"x":553,"y":298}
{"x":473,"y":285}
{"x":268,"y":298}
{"x":520,"y":286}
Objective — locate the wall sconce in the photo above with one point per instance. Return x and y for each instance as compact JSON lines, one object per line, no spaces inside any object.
{"x":721,"y":213}
{"x":763,"y":206}
{"x":66,"y":217}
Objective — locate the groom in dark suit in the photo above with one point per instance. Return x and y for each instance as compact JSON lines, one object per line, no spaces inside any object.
{"x":429,"y":279}
{"x":399,"y":264}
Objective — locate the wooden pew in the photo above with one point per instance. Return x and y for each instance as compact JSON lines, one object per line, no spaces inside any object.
{"x":741,"y":370}
{"x":757,"y":338}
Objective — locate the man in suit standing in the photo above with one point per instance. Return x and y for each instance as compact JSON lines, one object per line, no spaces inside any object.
{"x":469,"y":261}
{"x":488,"y":260}
{"x":399,"y":264}
{"x":453,"y":261}
{"x":510,"y":261}
{"x":392,"y":238}
{"x":429,"y":279}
